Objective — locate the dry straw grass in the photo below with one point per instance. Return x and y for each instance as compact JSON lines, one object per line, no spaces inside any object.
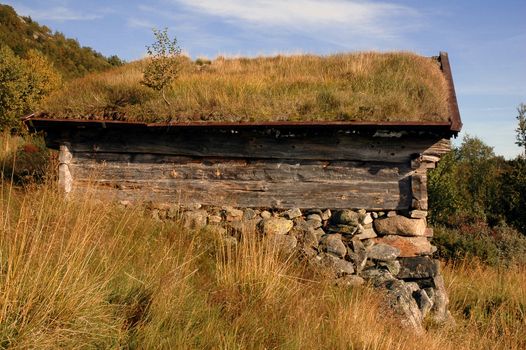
{"x":361,"y":86}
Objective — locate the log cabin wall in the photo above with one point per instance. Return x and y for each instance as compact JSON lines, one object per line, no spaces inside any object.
{"x":259,"y":167}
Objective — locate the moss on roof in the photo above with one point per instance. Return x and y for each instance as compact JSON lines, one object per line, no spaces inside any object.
{"x":365,"y":86}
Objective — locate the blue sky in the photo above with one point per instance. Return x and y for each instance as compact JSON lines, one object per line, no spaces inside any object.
{"x":486,"y":40}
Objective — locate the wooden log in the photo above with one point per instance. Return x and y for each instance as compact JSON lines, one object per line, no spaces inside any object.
{"x":419,"y":190}
{"x":256,"y":144}
{"x":125,"y":166}
{"x":393,"y":195}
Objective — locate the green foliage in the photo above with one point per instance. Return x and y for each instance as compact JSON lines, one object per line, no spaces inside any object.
{"x":521,"y":128}
{"x":164,"y":65}
{"x":501,"y":245}
{"x":22,"y":35}
{"x":446,"y":201}
{"x":23,"y":84}
{"x":514,"y":193}
{"x":465,"y":184}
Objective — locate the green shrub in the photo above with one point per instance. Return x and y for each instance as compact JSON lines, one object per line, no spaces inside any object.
{"x":501,"y":245}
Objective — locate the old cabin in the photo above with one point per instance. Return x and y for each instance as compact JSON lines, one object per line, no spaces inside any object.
{"x":356,"y":132}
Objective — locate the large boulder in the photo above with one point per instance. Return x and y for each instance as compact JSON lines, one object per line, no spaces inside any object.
{"x":275,"y":226}
{"x":418,"y":267}
{"x":399,"y":298}
{"x":408,"y":246}
{"x":383,"y":252}
{"x":400,"y":225}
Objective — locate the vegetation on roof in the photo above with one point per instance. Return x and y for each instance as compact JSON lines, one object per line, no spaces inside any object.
{"x":365,"y":86}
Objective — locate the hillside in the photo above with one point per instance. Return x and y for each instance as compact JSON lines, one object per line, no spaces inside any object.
{"x":22,"y":34}
{"x":364,"y":86}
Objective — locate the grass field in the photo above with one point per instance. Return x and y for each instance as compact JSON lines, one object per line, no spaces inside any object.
{"x":362,"y":86}
{"x":86,"y":274}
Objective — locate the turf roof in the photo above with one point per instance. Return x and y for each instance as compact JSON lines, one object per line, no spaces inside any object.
{"x":368,"y":86}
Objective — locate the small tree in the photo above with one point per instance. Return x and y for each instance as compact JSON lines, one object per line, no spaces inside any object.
{"x":521,"y":128}
{"x":164,"y":65}
{"x":23,"y":84}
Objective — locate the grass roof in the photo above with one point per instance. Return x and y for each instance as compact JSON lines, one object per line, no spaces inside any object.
{"x":344,"y":87}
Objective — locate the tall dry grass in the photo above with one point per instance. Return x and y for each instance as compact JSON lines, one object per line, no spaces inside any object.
{"x":80,"y":273}
{"x":361,"y":86}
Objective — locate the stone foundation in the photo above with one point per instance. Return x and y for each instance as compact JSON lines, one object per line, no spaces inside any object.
{"x":389,"y":250}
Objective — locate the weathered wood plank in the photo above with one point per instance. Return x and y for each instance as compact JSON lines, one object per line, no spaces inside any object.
{"x":337,"y":194}
{"x":334,"y":145}
{"x":161,"y":167}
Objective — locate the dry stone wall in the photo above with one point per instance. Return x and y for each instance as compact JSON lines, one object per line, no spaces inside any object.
{"x":389,"y":250}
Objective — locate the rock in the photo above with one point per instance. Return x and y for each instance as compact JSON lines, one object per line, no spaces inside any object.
{"x":249,"y":214}
{"x":418,"y":214}
{"x":400,"y":225}
{"x":192,"y":206}
{"x":424,"y":283}
{"x":425,"y":304}
{"x":313,"y":211}
{"x":326,"y":215}
{"x":391,"y":214}
{"x":383,"y":252}
{"x":418,"y":267}
{"x":367,"y":233}
{"x":214,"y":219}
{"x":314,"y":217}
{"x":231,"y":214}
{"x":335,"y":266}
{"x":358,"y":255}
{"x":265,"y":214}
{"x":275,"y":226}
{"x":319,"y":233}
{"x":310,"y":239}
{"x":292,"y":213}
{"x":313,"y":223}
{"x":400,"y":299}
{"x":343,"y":229}
{"x":392,"y":266}
{"x":377,"y":277}
{"x":307,"y":236}
{"x":413,"y":286}
{"x":368,"y":219}
{"x":195,"y":219}
{"x":345,"y":217}
{"x":368,"y":242}
{"x":332,"y":244}
{"x":284,"y":243}
{"x":350,"y":281}
{"x":408,"y":246}
{"x":375,"y":215}
{"x":440,"y":313}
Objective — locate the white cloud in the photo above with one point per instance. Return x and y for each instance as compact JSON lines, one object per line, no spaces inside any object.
{"x":376,"y":18}
{"x":139,"y":23}
{"x":55,"y":13}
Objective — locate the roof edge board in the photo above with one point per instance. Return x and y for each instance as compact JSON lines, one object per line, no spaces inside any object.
{"x":456,"y":122}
